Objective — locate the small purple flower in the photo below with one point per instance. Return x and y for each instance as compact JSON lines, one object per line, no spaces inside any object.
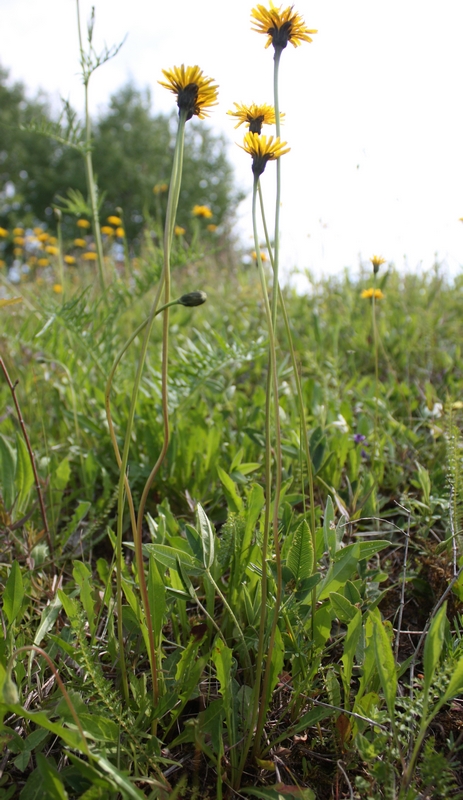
{"x":359,"y":437}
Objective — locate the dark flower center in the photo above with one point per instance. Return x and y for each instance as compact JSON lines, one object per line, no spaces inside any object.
{"x":187,"y":100}
{"x":281,"y":36}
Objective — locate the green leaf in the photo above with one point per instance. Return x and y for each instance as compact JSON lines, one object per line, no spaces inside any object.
{"x":7,"y":472}
{"x":222,"y":657}
{"x":354,"y":630}
{"x":53,"y":787}
{"x":385,"y":663}
{"x":167,"y":556}
{"x":342,"y":607}
{"x":13,"y":595}
{"x":234,"y":501}
{"x":455,"y":686}
{"x":61,"y":475}
{"x":24,"y":477}
{"x":157,"y":599}
{"x":433,"y":645}
{"x":300,"y":555}
{"x":207,"y":536}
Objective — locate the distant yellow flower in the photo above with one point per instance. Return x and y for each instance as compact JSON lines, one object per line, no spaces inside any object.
{"x":18,"y":231}
{"x":159,"y":188}
{"x":32,"y":261}
{"x":195,"y":93}
{"x":212,"y":228}
{"x":80,"y":242}
{"x":120,"y":232}
{"x":43,"y":262}
{"x":38,"y":231}
{"x":280,"y":26}
{"x":2,"y":263}
{"x":69,"y":260}
{"x":368,"y":293}
{"x":107,"y":230}
{"x":83,"y":223}
{"x":57,"y":288}
{"x":17,"y":251}
{"x":19,"y":240}
{"x":254,"y":116}
{"x":114,"y":220}
{"x":53,"y":251}
{"x":377,"y":261}
{"x":90,"y":256}
{"x":263,"y":149}
{"x":53,"y":240}
{"x":39,"y":281}
{"x":263,"y":256}
{"x":178,"y":230}
{"x":43,"y":237}
{"x":3,"y":232}
{"x":202,"y":211}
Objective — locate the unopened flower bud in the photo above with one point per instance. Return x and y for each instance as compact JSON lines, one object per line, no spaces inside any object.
{"x":193,"y":299}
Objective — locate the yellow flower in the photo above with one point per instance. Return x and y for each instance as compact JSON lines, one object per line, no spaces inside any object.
{"x":83,"y":223}
{"x":178,"y":230}
{"x":254,"y":116}
{"x":18,"y":251}
{"x":195,"y":93}
{"x":19,"y":240}
{"x":38,"y":231}
{"x":366,"y":294}
{"x":69,"y":260}
{"x":377,"y":261}
{"x":57,"y":288}
{"x":43,"y":262}
{"x":3,"y":232}
{"x":18,"y":231}
{"x":263,"y":149}
{"x":202,"y":211}
{"x":90,"y":256}
{"x":120,"y":232}
{"x":160,"y":187}
{"x":263,"y":256}
{"x":114,"y":220}
{"x":2,"y":263}
{"x":53,"y":240}
{"x":43,"y":237}
{"x":80,"y":242}
{"x":280,"y":26}
{"x":107,"y":230}
{"x":53,"y":251}
{"x":212,"y":228}
{"x":32,"y":261}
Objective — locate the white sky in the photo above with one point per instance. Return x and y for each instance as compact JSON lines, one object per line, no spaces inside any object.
{"x":374,"y":112}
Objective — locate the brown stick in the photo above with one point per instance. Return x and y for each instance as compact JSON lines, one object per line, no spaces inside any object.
{"x":29,"y":450}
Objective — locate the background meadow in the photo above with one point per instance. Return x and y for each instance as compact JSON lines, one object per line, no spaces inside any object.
{"x":204,"y":658}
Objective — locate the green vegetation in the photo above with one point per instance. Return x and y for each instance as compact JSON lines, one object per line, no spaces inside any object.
{"x":231,"y":561}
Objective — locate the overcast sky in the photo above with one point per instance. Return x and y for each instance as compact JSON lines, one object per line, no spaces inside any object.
{"x":374,"y":111}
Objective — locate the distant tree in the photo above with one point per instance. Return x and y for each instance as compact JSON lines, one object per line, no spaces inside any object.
{"x":132,"y":153}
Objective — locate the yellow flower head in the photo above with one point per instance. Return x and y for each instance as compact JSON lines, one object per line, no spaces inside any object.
{"x":57,"y":288}
{"x":366,"y":294}
{"x":83,"y":223}
{"x":263,"y":149}
{"x":69,"y":260}
{"x":212,"y":228}
{"x":178,"y":230}
{"x":90,"y":256}
{"x":114,"y":220}
{"x":53,"y":240}
{"x":51,"y":249}
{"x":3,"y":232}
{"x":254,"y":116}
{"x":38,"y":231}
{"x":2,"y":263}
{"x":43,"y":237}
{"x":80,"y":242}
{"x":17,"y":251}
{"x":43,"y":262}
{"x":280,"y":26}
{"x":18,"y":231}
{"x":107,"y":230}
{"x":120,"y":232}
{"x":263,"y":256}
{"x":195,"y":93}
{"x":377,"y":261}
{"x":19,"y":240}
{"x":159,"y":188}
{"x":202,"y":211}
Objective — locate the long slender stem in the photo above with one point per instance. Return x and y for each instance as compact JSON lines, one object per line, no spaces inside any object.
{"x":276,"y":238}
{"x":172,"y":204}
